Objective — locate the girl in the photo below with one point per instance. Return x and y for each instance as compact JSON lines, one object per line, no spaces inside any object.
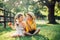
{"x":19,"y":26}
{"x":30,"y":21}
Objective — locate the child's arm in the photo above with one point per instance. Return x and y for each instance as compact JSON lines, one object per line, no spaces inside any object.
{"x":25,"y":26}
{"x":12,"y":26}
{"x":33,"y":26}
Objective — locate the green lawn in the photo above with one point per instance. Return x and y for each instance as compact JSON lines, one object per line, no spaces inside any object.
{"x":48,"y":32}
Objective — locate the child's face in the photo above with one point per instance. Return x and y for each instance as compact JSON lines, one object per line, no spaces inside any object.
{"x":29,"y":17}
{"x":21,"y":18}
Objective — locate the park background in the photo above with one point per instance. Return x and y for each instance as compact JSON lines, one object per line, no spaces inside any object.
{"x":47,"y":14}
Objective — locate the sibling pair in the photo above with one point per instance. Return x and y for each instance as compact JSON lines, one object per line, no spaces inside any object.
{"x":24,"y":27}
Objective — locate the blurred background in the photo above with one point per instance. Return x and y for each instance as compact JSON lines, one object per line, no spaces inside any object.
{"x":47,"y":14}
{"x":43,"y":9}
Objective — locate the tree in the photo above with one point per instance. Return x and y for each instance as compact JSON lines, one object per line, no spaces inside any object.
{"x":51,"y":9}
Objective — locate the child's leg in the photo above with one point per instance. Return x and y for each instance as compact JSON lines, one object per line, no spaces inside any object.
{"x":29,"y":34}
{"x":37,"y":31}
{"x":14,"y":35}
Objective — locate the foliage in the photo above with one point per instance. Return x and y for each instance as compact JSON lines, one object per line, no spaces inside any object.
{"x":38,"y":6}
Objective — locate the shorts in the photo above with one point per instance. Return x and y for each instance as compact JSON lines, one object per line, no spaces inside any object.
{"x":32,"y":31}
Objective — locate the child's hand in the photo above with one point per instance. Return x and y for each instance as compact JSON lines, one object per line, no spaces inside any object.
{"x":9,"y":23}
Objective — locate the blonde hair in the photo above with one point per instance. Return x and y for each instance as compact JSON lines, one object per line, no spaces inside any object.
{"x":18,"y":15}
{"x":32,"y":15}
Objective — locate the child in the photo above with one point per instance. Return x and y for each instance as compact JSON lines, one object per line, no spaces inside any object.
{"x":19,"y":26}
{"x":30,"y":21}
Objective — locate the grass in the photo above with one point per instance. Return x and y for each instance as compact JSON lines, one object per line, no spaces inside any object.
{"x":48,"y":32}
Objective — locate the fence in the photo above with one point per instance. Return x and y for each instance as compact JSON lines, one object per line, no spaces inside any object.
{"x":6,"y":16}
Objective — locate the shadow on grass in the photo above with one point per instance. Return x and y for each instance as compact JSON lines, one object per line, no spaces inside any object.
{"x":35,"y":37}
{"x":47,"y":25}
{"x":57,"y":37}
{"x":3,"y":29}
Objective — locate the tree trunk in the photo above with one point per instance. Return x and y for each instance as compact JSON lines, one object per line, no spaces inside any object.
{"x":51,"y":16}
